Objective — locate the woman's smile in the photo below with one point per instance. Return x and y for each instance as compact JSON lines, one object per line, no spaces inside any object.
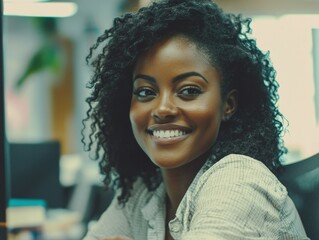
{"x":168,"y":133}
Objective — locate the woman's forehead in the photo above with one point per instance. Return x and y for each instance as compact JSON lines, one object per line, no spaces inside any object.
{"x":174,"y":46}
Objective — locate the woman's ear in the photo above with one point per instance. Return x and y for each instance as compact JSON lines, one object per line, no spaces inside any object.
{"x":230,"y":104}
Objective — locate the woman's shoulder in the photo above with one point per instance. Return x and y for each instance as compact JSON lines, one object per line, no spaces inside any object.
{"x":242,"y":172}
{"x":246,"y":168}
{"x":242,"y":194}
{"x":238,"y":161}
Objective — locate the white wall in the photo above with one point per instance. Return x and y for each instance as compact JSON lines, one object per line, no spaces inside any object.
{"x":289,"y":40}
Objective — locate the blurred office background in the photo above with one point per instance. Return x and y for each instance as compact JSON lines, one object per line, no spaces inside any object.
{"x":46,"y":75}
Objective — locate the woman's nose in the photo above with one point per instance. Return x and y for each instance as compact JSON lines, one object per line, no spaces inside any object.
{"x":165,"y":110}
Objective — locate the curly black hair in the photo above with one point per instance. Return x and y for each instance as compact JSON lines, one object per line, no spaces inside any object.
{"x":254,"y":130}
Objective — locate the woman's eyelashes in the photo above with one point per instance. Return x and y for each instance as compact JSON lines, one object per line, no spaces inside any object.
{"x":144,"y":93}
{"x":186,"y":92}
{"x":190,"y":92}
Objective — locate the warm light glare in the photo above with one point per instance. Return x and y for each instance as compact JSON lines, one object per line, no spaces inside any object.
{"x":23,"y":1}
{"x":39,"y":9}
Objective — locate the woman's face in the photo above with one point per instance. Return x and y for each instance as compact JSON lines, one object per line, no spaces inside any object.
{"x":176,"y":106}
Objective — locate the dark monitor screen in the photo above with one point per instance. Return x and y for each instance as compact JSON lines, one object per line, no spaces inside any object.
{"x":35,"y":169}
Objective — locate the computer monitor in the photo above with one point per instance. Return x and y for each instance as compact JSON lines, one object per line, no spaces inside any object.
{"x":35,"y":171}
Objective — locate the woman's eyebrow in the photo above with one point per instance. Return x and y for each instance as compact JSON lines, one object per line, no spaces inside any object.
{"x":175,"y":79}
{"x":145,"y":77}
{"x":188,"y":74}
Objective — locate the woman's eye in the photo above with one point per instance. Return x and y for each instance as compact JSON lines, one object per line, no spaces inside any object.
{"x":144,"y":93}
{"x":190,"y":91}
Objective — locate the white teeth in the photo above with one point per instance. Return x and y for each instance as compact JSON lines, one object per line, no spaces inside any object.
{"x":161,"y":134}
{"x":168,"y":133}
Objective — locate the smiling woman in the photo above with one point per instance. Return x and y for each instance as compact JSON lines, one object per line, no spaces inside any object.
{"x":183,"y":114}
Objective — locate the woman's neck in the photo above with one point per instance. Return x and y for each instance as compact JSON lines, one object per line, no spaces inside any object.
{"x":178,"y":180}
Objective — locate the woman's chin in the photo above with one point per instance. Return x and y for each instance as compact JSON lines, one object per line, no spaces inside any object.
{"x":168,"y":163}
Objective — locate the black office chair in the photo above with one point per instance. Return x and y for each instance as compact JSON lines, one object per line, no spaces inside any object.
{"x":35,"y":171}
{"x":302,"y":181}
